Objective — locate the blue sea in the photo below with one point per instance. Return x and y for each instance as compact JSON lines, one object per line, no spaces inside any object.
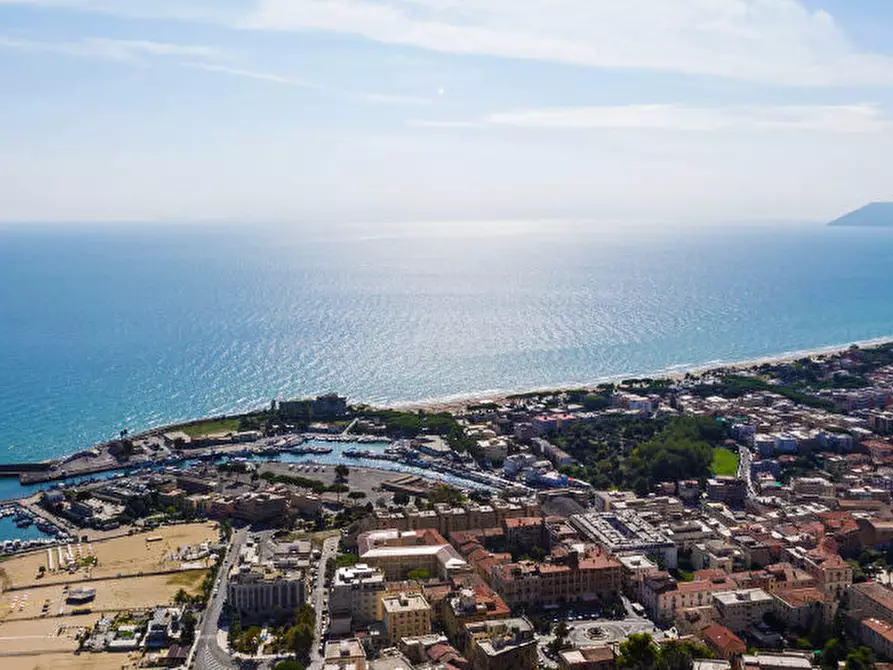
{"x":106,"y":327}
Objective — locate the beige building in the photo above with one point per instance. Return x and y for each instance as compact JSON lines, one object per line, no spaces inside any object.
{"x":397,"y":553}
{"x":878,"y":635}
{"x":739,"y":610}
{"x":258,"y":590}
{"x":833,"y":574}
{"x":345,"y":654}
{"x":358,"y":591}
{"x":871,"y":599}
{"x":498,"y":645}
{"x":406,"y":615}
{"x":800,"y":608}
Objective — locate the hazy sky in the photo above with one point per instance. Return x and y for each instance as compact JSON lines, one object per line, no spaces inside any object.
{"x":371,"y":109}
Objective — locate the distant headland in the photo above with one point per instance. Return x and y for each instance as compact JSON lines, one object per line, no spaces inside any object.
{"x":873,"y":215}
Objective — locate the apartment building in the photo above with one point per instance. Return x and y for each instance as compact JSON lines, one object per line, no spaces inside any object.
{"x":497,"y":645}
{"x":405,"y":615}
{"x":347,"y":653}
{"x":833,"y":574}
{"x":801,"y":608}
{"x":358,"y":591}
{"x":871,"y":600}
{"x":470,"y":605}
{"x":878,"y":635}
{"x":739,"y":610}
{"x":663,"y":597}
{"x":259,"y":590}
{"x":569,"y":576}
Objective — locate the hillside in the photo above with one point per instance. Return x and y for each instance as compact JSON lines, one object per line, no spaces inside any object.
{"x":874,"y":215}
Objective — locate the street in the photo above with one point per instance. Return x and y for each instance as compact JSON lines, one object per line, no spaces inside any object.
{"x":319,"y":600}
{"x":744,"y":458}
{"x":208,"y":654}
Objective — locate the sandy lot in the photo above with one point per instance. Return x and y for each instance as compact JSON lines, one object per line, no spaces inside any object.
{"x":69,"y":662}
{"x":111,"y":595}
{"x":43,"y":635}
{"x":128,"y":555}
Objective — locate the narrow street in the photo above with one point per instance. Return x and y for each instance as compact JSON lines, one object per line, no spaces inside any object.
{"x":319,"y":600}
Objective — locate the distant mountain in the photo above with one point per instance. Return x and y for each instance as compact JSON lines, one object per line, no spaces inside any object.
{"x":875,"y":215}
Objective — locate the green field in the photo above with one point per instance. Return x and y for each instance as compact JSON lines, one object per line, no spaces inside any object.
{"x":725,"y":462}
{"x":212,"y":427}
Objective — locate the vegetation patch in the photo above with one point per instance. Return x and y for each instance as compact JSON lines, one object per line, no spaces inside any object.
{"x":189,"y":579}
{"x":211,"y":427}
{"x":725,"y":462}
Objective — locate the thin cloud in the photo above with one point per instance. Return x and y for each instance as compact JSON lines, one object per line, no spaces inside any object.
{"x":781,"y":42}
{"x":112,"y":49}
{"x":197,"y":57}
{"x":767,"y":41}
{"x":251,"y":74}
{"x":858,"y":118}
{"x":426,"y":123}
{"x":285,"y":80}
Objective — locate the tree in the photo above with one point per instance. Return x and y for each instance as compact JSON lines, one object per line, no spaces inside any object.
{"x":680,"y":655}
{"x":860,"y":659}
{"x":289,"y":665}
{"x":561,"y":631}
{"x":401,"y":498}
{"x":356,"y":495}
{"x":249,"y":641}
{"x":299,"y":638}
{"x":638,"y":652}
{"x":342,"y":472}
{"x":187,"y":635}
{"x":235,"y":629}
{"x":181,"y":597}
{"x":833,"y":653}
{"x":302,"y":642}
{"x":306,"y":615}
{"x":347,"y":560}
{"x":339,"y":489}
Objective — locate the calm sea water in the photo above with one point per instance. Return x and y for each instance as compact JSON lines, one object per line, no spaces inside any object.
{"x":104,"y":328}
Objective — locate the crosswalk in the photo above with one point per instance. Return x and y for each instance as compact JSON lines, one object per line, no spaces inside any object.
{"x":206,"y":659}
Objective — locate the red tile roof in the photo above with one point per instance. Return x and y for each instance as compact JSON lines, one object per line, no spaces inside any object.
{"x":722,"y":640}
{"x":804,"y":596}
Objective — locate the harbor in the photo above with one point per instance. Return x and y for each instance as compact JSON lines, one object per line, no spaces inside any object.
{"x":22,"y":529}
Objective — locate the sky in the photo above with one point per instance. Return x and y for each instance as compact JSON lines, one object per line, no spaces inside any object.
{"x":323,"y":110}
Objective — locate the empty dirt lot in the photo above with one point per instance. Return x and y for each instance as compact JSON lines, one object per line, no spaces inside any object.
{"x":130,"y":555}
{"x":112,"y":595}
{"x":68,"y":661}
{"x":44,"y":636}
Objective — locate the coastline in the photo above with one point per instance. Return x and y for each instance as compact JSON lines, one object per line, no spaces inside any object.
{"x":458,"y":401}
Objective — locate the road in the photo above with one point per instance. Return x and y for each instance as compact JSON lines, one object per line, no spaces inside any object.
{"x":744,"y":457}
{"x":319,"y":600}
{"x":208,"y":654}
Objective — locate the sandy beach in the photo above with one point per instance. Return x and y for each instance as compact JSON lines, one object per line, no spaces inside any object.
{"x":459,"y":402}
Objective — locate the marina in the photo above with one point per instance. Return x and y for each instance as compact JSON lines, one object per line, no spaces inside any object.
{"x":21,"y":529}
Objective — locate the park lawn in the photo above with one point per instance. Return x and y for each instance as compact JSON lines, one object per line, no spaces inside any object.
{"x":725,"y":462}
{"x":212,"y":427}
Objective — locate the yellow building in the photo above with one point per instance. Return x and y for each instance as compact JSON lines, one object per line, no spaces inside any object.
{"x":406,"y":616}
